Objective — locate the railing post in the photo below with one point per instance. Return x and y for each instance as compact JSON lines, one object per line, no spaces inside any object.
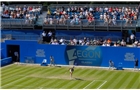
{"x":121,"y":25}
{"x":94,"y":25}
{"x":67,"y":24}
{"x":55,"y":24}
{"x":10,"y":25}
{"x":107,"y":26}
{"x":81,"y":25}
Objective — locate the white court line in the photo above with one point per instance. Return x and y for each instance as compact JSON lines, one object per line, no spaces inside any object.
{"x":101,"y":85}
{"x":88,"y":84}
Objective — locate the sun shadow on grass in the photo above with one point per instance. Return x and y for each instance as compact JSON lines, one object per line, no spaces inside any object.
{"x":58,"y":66}
{"x":78,"y":79}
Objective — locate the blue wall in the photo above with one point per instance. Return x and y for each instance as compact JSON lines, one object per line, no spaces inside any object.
{"x":5,"y":61}
{"x":15,"y":32}
{"x":82,"y":55}
{"x":138,"y":34}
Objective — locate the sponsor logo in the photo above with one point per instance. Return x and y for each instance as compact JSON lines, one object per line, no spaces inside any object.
{"x":129,"y":57}
{"x":82,"y":55}
{"x":40,"y":53}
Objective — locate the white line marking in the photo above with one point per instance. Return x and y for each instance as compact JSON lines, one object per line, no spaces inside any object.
{"x":101,"y":85}
{"x":88,"y":84}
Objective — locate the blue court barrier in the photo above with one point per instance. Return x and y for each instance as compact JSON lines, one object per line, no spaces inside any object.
{"x":6,"y":61}
{"x":75,"y":55}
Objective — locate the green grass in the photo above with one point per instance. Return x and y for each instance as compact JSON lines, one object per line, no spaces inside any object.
{"x":39,"y":77}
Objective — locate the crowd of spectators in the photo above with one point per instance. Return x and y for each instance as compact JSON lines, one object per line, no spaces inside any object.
{"x":76,"y":14}
{"x":29,"y":13}
{"x":94,"y":42}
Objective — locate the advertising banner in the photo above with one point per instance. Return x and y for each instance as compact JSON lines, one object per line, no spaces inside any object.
{"x":84,"y":55}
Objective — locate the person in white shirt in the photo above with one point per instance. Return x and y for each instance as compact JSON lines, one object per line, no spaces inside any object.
{"x":80,"y":41}
{"x":91,"y":9}
{"x":115,"y":45}
{"x":75,"y":41}
{"x":61,"y":40}
{"x":63,"y":43}
{"x":49,"y":33}
{"x":132,"y":37}
{"x":104,"y":44}
{"x":101,"y":17}
{"x":44,"y":36}
{"x":108,"y":44}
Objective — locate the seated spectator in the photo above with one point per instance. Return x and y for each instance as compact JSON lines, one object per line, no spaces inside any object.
{"x":128,"y":21}
{"x":114,"y":21}
{"x":104,"y":44}
{"x":61,"y":40}
{"x":83,"y":43}
{"x":51,"y":21}
{"x":110,"y":21}
{"x":55,"y":42}
{"x":100,"y":9}
{"x":115,"y":44}
{"x":138,"y":45}
{"x":63,"y":43}
{"x":108,"y":44}
{"x":90,"y":19}
{"x":31,"y":19}
{"x":135,"y":17}
{"x":101,"y":17}
{"x":123,"y":43}
{"x":77,"y":20}
{"x":62,"y":20}
{"x":135,"y":43}
{"x":72,"y":22}
{"x":87,"y":43}
{"x":91,"y":10}
{"x":4,"y":15}
{"x":121,"y":17}
{"x":75,"y":41}
{"x":81,"y":15}
{"x":46,"y":21}
{"x":80,"y":41}
{"x":106,"y":20}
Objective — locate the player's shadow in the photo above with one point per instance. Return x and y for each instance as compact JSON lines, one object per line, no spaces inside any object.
{"x":58,"y":66}
{"x":78,"y":79}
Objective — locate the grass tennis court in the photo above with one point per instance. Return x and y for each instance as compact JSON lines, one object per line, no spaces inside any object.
{"x":40,"y":77}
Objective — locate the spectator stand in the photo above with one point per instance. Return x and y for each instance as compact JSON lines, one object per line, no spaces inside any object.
{"x":73,"y":10}
{"x":21,"y":16}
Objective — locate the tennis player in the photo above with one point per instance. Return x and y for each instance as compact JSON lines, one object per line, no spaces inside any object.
{"x":71,"y":71}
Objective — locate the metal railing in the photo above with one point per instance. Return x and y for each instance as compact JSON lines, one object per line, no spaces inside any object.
{"x":92,"y":5}
{"x":15,"y":23}
{"x":95,"y":25}
{"x":82,"y":25}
